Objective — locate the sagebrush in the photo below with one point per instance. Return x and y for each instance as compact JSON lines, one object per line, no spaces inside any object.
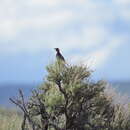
{"x":68,"y":99}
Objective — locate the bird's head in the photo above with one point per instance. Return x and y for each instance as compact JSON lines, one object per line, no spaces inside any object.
{"x":57,"y":49}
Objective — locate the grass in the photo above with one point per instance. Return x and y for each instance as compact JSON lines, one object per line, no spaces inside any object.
{"x":10,"y":119}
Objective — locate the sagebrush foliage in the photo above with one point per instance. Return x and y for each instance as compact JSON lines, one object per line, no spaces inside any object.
{"x":69,"y":100}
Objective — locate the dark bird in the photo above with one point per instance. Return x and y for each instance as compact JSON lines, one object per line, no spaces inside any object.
{"x":58,"y":55}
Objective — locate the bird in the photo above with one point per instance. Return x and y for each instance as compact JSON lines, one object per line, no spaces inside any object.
{"x":59,"y":55}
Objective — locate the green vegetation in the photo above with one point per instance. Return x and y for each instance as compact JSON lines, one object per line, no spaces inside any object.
{"x":10,"y":119}
{"x":69,"y":100}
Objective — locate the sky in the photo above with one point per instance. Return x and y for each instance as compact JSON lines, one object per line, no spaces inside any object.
{"x":91,"y":32}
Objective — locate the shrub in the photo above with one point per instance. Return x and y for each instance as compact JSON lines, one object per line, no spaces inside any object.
{"x":69,"y":100}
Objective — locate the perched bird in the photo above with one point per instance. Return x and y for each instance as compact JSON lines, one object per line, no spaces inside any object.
{"x":58,"y":55}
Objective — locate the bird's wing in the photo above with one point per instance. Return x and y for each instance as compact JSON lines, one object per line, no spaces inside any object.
{"x":59,"y":56}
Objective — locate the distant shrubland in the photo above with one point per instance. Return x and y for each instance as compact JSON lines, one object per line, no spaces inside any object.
{"x":10,"y":119}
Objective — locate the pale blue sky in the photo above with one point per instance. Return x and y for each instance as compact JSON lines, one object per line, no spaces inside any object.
{"x":92,"y":32}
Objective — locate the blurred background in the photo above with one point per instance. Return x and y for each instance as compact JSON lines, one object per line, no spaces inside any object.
{"x":90,"y":32}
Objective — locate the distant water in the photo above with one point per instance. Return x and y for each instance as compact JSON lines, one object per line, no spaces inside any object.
{"x":11,"y":90}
